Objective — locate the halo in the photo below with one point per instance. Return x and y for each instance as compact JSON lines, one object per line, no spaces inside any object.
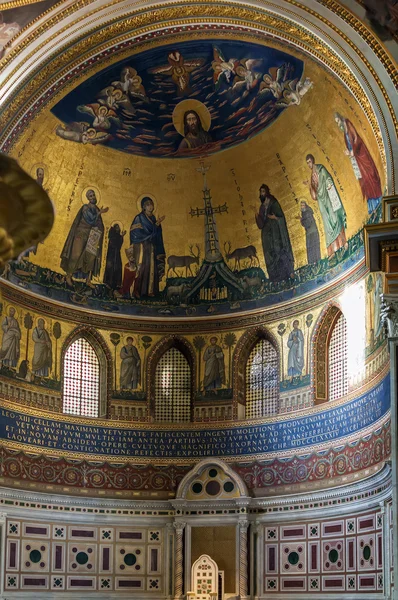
{"x":36,"y":321}
{"x":117,"y":223}
{"x":8,"y":311}
{"x":151,"y":196}
{"x":39,"y":166}
{"x":187,"y":105}
{"x":90,"y":187}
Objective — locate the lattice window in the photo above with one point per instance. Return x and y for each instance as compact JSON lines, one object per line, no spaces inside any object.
{"x":338,"y":358}
{"x":81,"y":380}
{"x":173,"y":387}
{"x":262,"y":382}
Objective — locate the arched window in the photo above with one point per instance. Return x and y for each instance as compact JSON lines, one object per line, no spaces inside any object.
{"x":262,"y":382}
{"x":173,"y":387}
{"x":337,"y":360}
{"x":81,"y":380}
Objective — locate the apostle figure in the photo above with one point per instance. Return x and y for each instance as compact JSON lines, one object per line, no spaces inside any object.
{"x":147,"y":238}
{"x":215,"y":367}
{"x":323,"y":190}
{"x":130,"y":368}
{"x":83,"y":247}
{"x":194,"y":134}
{"x":10,"y":345}
{"x":278,"y":253}
{"x":113,"y":265}
{"x":362,"y":163}
{"x":307,"y":220}
{"x":295,"y":359}
{"x":42,"y":354}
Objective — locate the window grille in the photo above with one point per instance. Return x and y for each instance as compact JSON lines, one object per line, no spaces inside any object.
{"x":262,"y":383}
{"x":173,"y":387}
{"x":338,"y":358}
{"x":81,"y":380}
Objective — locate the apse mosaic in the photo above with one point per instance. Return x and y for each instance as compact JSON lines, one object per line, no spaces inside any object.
{"x":194,"y":99}
{"x":200,"y":179}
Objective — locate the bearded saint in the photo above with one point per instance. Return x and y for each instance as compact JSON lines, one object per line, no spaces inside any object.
{"x":194,"y":134}
{"x":82,"y":250}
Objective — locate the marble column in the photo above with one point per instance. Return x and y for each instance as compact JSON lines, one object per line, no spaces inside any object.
{"x":169,"y":558}
{"x":178,"y":560}
{"x":257,"y":558}
{"x":243,"y":575}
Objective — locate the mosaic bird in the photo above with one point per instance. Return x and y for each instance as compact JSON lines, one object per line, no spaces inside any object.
{"x":179,"y":70}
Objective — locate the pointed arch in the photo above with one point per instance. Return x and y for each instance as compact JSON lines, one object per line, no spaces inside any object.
{"x":321,"y":339}
{"x":158,"y":351}
{"x":242,"y":353}
{"x":89,"y":340}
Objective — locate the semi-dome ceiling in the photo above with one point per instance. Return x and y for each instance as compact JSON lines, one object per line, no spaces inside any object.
{"x":155,"y":161}
{"x":253,"y":114}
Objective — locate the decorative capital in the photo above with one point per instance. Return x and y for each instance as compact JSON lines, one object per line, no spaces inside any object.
{"x":243,"y":525}
{"x":389,"y":315}
{"x":179,"y":526}
{"x":256,"y":526}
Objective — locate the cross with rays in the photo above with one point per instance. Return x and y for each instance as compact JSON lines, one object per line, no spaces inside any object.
{"x":212,"y":244}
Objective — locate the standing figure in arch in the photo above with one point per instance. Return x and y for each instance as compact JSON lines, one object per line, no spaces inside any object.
{"x":42,"y":354}
{"x":83,"y":247}
{"x":215,"y":367}
{"x":323,"y":191}
{"x":10,"y":345}
{"x":278,"y":253}
{"x":307,"y":220}
{"x":147,"y":239}
{"x":130,"y":368}
{"x":295,"y":359}
{"x":362,"y":163}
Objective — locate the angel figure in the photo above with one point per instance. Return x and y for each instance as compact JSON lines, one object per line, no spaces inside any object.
{"x":222,"y":69}
{"x":81,"y":133}
{"x":75,"y":131}
{"x":246,"y":78}
{"x":274,"y":81}
{"x":294,"y":92}
{"x":102,"y":116}
{"x":131,"y":83}
{"x":109,"y":97}
{"x":179,"y":69}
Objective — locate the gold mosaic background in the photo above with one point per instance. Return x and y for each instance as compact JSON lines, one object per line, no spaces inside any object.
{"x":176,"y":185}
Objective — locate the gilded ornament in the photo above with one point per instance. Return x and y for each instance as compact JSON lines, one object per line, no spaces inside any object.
{"x":329,"y":58}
